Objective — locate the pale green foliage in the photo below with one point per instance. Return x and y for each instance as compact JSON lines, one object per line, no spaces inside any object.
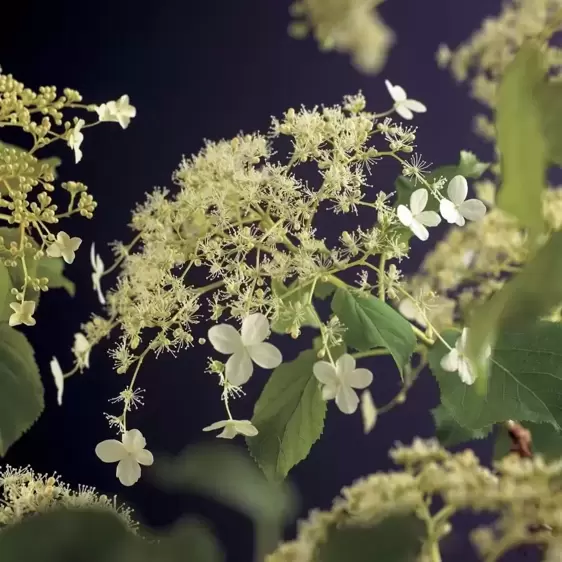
{"x":353,"y":27}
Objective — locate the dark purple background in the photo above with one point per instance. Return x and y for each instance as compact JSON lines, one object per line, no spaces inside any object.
{"x":198,"y":70}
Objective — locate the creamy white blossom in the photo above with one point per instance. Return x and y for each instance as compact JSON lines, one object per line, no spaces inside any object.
{"x":340,"y":379}
{"x":58,"y":377}
{"x":415,"y":218}
{"x":245,"y":347}
{"x":129,"y":453}
{"x":404,"y":106}
{"x":64,"y":246}
{"x":75,"y":138}
{"x":99,"y":269}
{"x":120,"y":111}
{"x":81,"y":350}
{"x":456,"y":209}
{"x":456,"y":359}
{"x":231,"y":428}
{"x":23,"y":313}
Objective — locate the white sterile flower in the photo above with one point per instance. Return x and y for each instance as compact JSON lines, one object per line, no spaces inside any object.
{"x":456,"y":360}
{"x":245,"y":347}
{"x":75,"y":138}
{"x":410,"y":310}
{"x":456,"y":209}
{"x":120,"y":111}
{"x":23,"y":313}
{"x":404,"y":106}
{"x":99,"y":268}
{"x":340,"y":380}
{"x":368,"y":411}
{"x":64,"y":246}
{"x":231,"y":428}
{"x":415,"y":218}
{"x":58,"y":377}
{"x":81,"y":350}
{"x":129,"y":453}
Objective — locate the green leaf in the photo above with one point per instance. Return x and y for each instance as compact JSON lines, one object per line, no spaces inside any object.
{"x":546,"y":440}
{"x":372,"y":323}
{"x":450,"y":433}
{"x":298,"y":299}
{"x":528,"y":296}
{"x":289,"y":416}
{"x":5,"y":296}
{"x":521,"y":142}
{"x":21,"y":391}
{"x":395,"y":539}
{"x":228,"y":475}
{"x":65,"y":535}
{"x":323,"y":290}
{"x":550,"y":96}
{"x":469,"y":165}
{"x":525,"y":382}
{"x":52,"y":268}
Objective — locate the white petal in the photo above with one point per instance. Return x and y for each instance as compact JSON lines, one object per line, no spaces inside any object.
{"x":419,"y":230}
{"x":457,"y":189}
{"x":465,"y":373}
{"x":216,"y":425}
{"x":239,"y":368}
{"x":415,"y":105}
{"x":110,"y":450}
{"x":133,"y":440}
{"x":245,"y":427}
{"x":265,"y":355}
{"x":450,"y":362}
{"x":404,"y":215}
{"x":255,"y":329}
{"x":326,"y":373}
{"x":418,"y":201}
{"x":93,"y":255}
{"x":229,"y":431}
{"x":403,"y":111}
{"x":449,"y":211}
{"x":344,"y":364}
{"x":428,"y":218}
{"x":397,"y":93}
{"x":225,"y":339}
{"x":329,"y":391}
{"x":358,"y":378}
{"x":54,"y":250}
{"x":128,"y":471}
{"x":144,"y":457}
{"x":346,"y":399}
{"x":368,"y":412}
{"x":473,"y":209}
{"x":461,"y":342}
{"x":58,"y":377}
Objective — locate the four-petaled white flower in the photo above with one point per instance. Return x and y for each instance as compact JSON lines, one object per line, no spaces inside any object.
{"x":99,"y":268}
{"x":75,"y":138}
{"x":23,"y":313}
{"x":120,"y":111}
{"x":81,"y":350}
{"x":130,"y":453}
{"x":340,"y":380}
{"x":404,"y":106}
{"x":456,"y":360}
{"x":456,"y":209}
{"x":231,"y":428}
{"x":245,"y":347}
{"x":64,"y":246}
{"x":58,"y":377}
{"x":415,"y":218}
